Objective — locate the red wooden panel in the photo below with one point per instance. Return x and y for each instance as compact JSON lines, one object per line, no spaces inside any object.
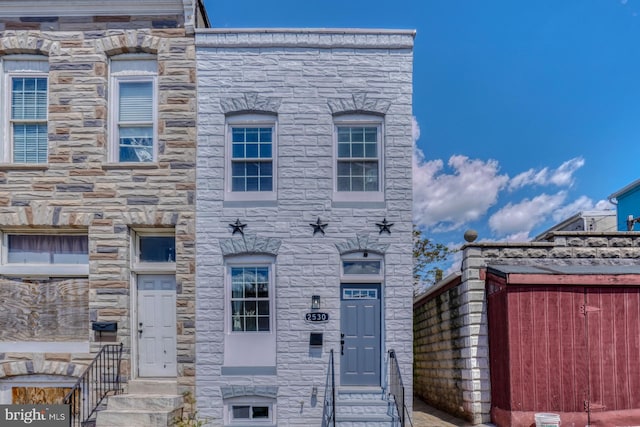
{"x":546,"y":332}
{"x":498,"y":342}
{"x":613,"y":337}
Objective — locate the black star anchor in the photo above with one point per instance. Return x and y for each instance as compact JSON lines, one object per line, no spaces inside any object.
{"x":238,"y":227}
{"x":318,"y":227}
{"x":384,"y":226}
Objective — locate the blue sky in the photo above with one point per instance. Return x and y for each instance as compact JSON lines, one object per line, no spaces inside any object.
{"x":526,"y":112}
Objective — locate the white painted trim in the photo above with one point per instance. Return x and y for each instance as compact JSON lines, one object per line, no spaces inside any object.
{"x":359,"y":196}
{"x":19,"y":8}
{"x":251,"y":120}
{"x":44,"y":346}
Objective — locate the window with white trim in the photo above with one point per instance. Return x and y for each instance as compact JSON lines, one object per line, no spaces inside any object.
{"x":25,"y":108}
{"x":133,"y":108}
{"x":249,"y":410}
{"x":359,"y":167}
{"x":251,"y":165}
{"x":153,"y":251}
{"x":250,"y":311}
{"x":46,"y":278}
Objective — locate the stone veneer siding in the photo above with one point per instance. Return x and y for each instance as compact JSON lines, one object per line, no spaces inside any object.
{"x":77,"y":189}
{"x":304,"y":76}
{"x":470,"y":326}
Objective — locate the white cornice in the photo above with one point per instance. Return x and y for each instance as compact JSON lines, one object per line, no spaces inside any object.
{"x":44,"y":8}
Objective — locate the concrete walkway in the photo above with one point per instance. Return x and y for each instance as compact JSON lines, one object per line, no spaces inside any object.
{"x":428,"y":416}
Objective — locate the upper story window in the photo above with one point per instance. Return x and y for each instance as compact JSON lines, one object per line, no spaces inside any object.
{"x":25,"y":108}
{"x":359,"y":167}
{"x":133,"y":109}
{"x":251,"y":171}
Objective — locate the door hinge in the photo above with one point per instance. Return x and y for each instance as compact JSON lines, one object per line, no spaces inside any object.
{"x":586,"y":309}
{"x":588,"y":406}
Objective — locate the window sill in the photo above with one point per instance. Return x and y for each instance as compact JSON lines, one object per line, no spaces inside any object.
{"x":45,"y":270}
{"x":249,"y":203}
{"x":129,"y":165}
{"x":358,"y":204}
{"x":248,"y":370}
{"x":24,"y":166}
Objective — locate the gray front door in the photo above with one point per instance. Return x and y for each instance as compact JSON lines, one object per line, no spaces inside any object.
{"x":360,"y":334}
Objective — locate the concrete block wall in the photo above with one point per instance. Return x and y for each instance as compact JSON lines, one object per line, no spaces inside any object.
{"x":78,"y":189}
{"x":560,"y":248}
{"x":303,"y":77}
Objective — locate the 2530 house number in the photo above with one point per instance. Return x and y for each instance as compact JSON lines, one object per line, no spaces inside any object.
{"x":316,"y":317}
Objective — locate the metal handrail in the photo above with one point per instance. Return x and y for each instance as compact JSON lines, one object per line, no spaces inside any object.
{"x":396,"y":388}
{"x":329,"y":410}
{"x":101,"y":377}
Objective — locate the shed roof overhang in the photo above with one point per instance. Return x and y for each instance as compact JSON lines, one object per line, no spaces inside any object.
{"x":570,"y":275}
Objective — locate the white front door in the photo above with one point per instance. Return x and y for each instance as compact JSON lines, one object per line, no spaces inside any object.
{"x":156,"y":326}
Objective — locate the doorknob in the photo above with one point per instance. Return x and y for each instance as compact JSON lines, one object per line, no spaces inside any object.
{"x":140,"y":329}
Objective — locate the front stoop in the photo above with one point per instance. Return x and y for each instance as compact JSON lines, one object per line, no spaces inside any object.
{"x":147,"y":404}
{"x":364,"y":407}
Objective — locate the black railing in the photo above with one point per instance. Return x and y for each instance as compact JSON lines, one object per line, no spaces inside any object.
{"x":101,"y":377}
{"x":329,"y":411}
{"x":396,"y":388}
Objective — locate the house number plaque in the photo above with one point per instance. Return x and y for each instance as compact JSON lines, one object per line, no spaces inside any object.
{"x":316,"y":317}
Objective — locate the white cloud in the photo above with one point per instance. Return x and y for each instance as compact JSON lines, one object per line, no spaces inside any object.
{"x":522,"y":217}
{"x":445,"y":201}
{"x":561,"y":177}
{"x":583,"y":203}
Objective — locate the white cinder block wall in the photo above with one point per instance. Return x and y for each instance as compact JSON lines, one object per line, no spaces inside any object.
{"x":304,"y":77}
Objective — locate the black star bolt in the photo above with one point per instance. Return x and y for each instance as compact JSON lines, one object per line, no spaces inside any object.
{"x":319,"y":226}
{"x":384,"y":226}
{"x":238,"y":227}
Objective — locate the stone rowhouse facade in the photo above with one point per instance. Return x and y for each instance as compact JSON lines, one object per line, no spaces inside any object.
{"x":452,"y":350}
{"x":303,"y":79}
{"x":78,"y":189}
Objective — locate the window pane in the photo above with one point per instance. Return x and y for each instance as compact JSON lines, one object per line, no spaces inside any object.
{"x":252,"y":151}
{"x":237,"y":135}
{"x":136,"y":102}
{"x":29,"y":98}
{"x":251,"y":135}
{"x":157,"y":248}
{"x":250,"y":302}
{"x":238,"y":151}
{"x":361,"y":267}
{"x":371,"y":150}
{"x":357,"y":150}
{"x":344,"y":135}
{"x":47,"y":249}
{"x":371,"y":134}
{"x":241,"y":412}
{"x":238,"y":184}
{"x":357,"y":183}
{"x":260,"y":412}
{"x":344,"y":150}
{"x":344,"y":184}
{"x":136,"y":144}
{"x":265,"y":184}
{"x":265,"y":151}
{"x":30,"y":143}
{"x":266,"y":134}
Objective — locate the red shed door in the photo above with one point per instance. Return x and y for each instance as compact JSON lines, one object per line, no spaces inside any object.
{"x":612,"y":319}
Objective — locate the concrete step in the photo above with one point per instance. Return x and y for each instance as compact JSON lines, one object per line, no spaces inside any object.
{"x":153,"y":386}
{"x":136,"y":418}
{"x":145,"y":401}
{"x":360,"y":393}
{"x":366,"y":421}
{"x":363,"y":407}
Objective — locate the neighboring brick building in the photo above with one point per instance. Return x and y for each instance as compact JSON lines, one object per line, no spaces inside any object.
{"x":303,"y":211}
{"x":97,"y":189}
{"x":452,"y":335}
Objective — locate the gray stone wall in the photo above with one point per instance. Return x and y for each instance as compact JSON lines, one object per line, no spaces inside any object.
{"x":438,"y":351}
{"x":78,"y":189}
{"x":560,"y":248}
{"x":302,"y":76}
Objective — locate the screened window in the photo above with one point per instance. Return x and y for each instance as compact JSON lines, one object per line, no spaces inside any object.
{"x":358,"y":158}
{"x":134,"y":110}
{"x":47,"y":249}
{"x":251,"y":158}
{"x":250,"y":305}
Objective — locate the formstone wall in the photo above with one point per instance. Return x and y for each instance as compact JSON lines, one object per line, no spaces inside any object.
{"x":303,"y":77}
{"x":78,"y":189}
